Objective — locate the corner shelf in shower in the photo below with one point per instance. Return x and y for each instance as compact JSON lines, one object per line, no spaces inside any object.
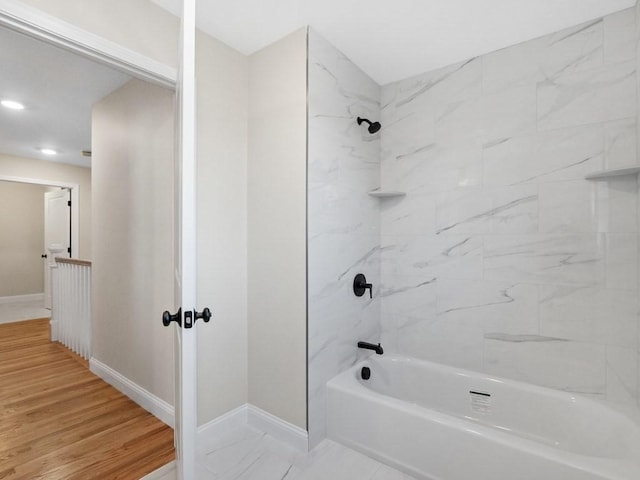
{"x":612,"y":172}
{"x":377,"y":193}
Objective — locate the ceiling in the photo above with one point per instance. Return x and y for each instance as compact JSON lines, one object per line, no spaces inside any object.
{"x":58,"y":89}
{"x":388,"y":40}
{"x":391,"y":40}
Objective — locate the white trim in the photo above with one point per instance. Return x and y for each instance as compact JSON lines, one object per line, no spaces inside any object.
{"x":35,"y":23}
{"x":222,"y":425}
{"x":32,"y":297}
{"x":278,"y":428}
{"x":163,"y":472}
{"x":135,"y":392}
{"x":257,"y":418}
{"x":75,"y":204}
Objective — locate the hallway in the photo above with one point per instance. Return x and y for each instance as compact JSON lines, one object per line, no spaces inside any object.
{"x":60,"y":421}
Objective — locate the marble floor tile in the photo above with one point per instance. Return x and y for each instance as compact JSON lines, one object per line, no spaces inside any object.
{"x":248,"y":454}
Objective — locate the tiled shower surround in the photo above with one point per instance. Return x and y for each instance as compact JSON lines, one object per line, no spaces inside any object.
{"x":501,"y":258}
{"x":343,"y":221}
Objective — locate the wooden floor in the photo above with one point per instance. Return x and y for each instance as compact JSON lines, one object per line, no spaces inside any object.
{"x":59,"y":421}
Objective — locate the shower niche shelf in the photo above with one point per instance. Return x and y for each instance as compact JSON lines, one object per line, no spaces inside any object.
{"x":612,"y":172}
{"x":377,"y":193}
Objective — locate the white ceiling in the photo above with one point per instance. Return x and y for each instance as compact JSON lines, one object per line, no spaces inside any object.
{"x":389,"y":40}
{"x":395,"y":39}
{"x":58,"y":89}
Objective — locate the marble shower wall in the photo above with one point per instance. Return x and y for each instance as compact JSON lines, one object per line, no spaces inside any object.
{"x":343,"y":221}
{"x":502,"y":257}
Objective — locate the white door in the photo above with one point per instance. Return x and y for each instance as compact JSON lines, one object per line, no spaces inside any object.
{"x":185,"y":257}
{"x":57,"y":234}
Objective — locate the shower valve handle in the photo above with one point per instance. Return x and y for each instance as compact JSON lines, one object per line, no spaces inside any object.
{"x":360,"y":285}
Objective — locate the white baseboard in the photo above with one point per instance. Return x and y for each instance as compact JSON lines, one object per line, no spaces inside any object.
{"x":33,"y":297}
{"x":247,"y":414}
{"x":284,"y":431}
{"x":257,"y":418}
{"x":163,"y":472}
{"x":135,"y":392}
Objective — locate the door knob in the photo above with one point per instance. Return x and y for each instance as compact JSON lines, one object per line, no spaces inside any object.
{"x":167,"y":318}
{"x":204,"y":315}
{"x":44,"y":256}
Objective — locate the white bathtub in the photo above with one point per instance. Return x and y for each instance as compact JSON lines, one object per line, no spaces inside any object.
{"x":422,"y":418}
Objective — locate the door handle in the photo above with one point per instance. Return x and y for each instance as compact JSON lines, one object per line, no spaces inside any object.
{"x":189,"y":317}
{"x":167,"y":318}
{"x":44,"y":256}
{"x":204,"y":315}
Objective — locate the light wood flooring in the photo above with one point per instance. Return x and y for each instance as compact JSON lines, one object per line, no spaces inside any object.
{"x":60,"y":421}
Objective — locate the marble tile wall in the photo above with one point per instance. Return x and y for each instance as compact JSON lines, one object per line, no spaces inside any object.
{"x":343,"y":221}
{"x":502,"y":257}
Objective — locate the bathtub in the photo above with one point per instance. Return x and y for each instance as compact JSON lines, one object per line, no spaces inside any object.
{"x":441,"y":423}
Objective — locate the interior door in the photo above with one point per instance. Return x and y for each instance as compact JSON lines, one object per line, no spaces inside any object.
{"x":185,"y":258}
{"x":57,"y":234}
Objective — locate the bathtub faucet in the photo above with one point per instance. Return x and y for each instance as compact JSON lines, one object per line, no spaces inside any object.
{"x":371,"y":346}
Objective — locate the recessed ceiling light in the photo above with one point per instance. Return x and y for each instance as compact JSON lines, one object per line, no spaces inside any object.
{"x":13,"y":105}
{"x":48,"y":151}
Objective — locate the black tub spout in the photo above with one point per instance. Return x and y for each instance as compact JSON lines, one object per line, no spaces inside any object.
{"x":371,"y":346}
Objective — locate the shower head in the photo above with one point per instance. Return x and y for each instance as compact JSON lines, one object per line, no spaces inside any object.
{"x":373,"y":127}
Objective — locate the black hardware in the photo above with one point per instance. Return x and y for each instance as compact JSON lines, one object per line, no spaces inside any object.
{"x":373,"y":126}
{"x":68,"y":203}
{"x":365,"y":373}
{"x":167,"y":318}
{"x":204,"y":315}
{"x":44,"y":255}
{"x":371,"y":346}
{"x":360,"y":285}
{"x":189,"y":317}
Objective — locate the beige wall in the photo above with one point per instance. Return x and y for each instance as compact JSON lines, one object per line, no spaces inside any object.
{"x":21,"y":238}
{"x":56,"y":173}
{"x":222,"y":76}
{"x":277,"y":229}
{"x":132,"y":144}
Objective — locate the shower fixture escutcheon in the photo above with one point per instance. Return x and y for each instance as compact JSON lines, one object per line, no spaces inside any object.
{"x":373,"y":126}
{"x":360,"y":285}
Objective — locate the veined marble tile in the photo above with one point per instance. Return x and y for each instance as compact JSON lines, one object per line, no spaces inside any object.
{"x":621,"y":143}
{"x":568,"y":207}
{"x":408,"y":297}
{"x":452,"y":83}
{"x":620,"y":36}
{"x":545,"y":259}
{"x":352,"y":83}
{"x":561,"y":364}
{"x":599,"y":95}
{"x":564,"y":154}
{"x":407,"y":135}
{"x":592,"y":315}
{"x":616,"y":205}
{"x":622,"y":375}
{"x":622,"y":261}
{"x":434,"y":168}
{"x":512,"y":67}
{"x":335,"y":210}
{"x":572,"y":50}
{"x":489,"y":117}
{"x":414,"y":214}
{"x":494,"y":306}
{"x":443,"y":341}
{"x":489,"y":210}
{"x":423,"y":258}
